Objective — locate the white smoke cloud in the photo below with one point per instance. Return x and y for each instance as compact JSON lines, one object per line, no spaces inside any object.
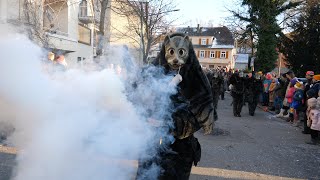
{"x":77,"y":124}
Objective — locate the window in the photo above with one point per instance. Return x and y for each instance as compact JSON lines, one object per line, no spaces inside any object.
{"x":84,"y":35}
{"x":202,"y":54}
{"x":212,"y":54}
{"x":83,"y":8}
{"x":211,"y":66}
{"x":203,"y":41}
{"x":223,"y":54}
{"x":79,"y":59}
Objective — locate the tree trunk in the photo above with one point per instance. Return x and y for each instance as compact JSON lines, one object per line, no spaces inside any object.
{"x":104,"y":6}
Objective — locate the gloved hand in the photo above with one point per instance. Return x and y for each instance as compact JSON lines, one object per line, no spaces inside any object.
{"x":176,"y":80}
{"x":230,"y":86}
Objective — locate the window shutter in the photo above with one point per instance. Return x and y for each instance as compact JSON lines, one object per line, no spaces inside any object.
{"x":206,"y":54}
{"x":198,"y":54}
{"x":227,"y":54}
{"x":207,"y":41}
{"x":199,"y":41}
{"x":218,"y":54}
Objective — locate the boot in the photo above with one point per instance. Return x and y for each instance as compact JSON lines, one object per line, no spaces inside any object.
{"x":272,"y":108}
{"x":286,"y":116}
{"x":280,"y":114}
{"x":312,"y":142}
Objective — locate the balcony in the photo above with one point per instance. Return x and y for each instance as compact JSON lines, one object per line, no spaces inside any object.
{"x":88,"y":19}
{"x":49,"y":2}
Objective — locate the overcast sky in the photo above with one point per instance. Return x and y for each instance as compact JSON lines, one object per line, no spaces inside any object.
{"x":193,"y":12}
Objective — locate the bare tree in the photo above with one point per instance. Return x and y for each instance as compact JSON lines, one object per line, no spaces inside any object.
{"x":33,"y":21}
{"x":103,"y":7}
{"x":146,"y":21}
{"x":243,"y":32}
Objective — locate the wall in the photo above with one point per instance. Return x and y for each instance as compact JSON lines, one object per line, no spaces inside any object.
{"x":196,"y":40}
{"x":14,"y":8}
{"x":3,"y":11}
{"x":217,"y":59}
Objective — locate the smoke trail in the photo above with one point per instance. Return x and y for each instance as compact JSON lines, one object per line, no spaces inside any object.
{"x":77,"y":124}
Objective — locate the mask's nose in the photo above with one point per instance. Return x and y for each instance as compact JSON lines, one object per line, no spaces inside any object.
{"x":175,"y":61}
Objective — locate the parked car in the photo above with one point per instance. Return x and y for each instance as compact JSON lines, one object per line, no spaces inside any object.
{"x":304,"y":80}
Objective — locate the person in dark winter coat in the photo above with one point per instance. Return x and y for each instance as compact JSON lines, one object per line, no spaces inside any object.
{"x":285,"y":105}
{"x":237,"y":93}
{"x":309,"y":77}
{"x":224,"y":86}
{"x":280,"y":92}
{"x":193,"y":109}
{"x":216,"y":82}
{"x":253,"y":88}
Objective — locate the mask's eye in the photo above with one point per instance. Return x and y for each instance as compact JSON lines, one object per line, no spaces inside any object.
{"x":171,"y":51}
{"x":182,"y":52}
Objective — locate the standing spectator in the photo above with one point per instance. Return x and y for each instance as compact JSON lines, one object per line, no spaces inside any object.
{"x":266,"y":86}
{"x":285,"y":105}
{"x":298,"y":101}
{"x":289,"y":97}
{"x":313,"y":114}
{"x":272,"y":87}
{"x":315,"y":86}
{"x":280,"y":92}
{"x":309,"y":77}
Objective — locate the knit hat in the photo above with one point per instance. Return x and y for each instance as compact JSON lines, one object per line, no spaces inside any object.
{"x":298,"y":85}
{"x":316,"y":77}
{"x":310,"y":73}
{"x":289,"y":72}
{"x":293,"y":81}
{"x":312,"y":102}
{"x":269,"y":76}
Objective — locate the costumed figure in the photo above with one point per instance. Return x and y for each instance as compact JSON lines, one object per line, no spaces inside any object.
{"x":253,"y":88}
{"x":309,"y":76}
{"x":192,"y":109}
{"x":216,"y":82}
{"x":237,"y":93}
{"x":224,"y":85}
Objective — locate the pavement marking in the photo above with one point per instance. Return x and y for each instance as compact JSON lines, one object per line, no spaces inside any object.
{"x":8,"y":150}
{"x":234,"y":174}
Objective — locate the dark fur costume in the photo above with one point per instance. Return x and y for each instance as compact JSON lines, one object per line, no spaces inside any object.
{"x":193,"y":109}
{"x":195,"y":87}
{"x":237,"y":93}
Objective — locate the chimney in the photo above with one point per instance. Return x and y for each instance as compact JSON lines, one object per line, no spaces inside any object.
{"x":199,"y":29}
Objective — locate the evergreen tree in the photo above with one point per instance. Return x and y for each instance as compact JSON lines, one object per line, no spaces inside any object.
{"x":262,"y":19}
{"x":301,"y":48}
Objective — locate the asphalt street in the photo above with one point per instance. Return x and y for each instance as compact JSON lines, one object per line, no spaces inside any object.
{"x":259,"y":147}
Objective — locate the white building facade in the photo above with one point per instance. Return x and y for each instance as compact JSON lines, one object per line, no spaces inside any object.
{"x":68,"y":26}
